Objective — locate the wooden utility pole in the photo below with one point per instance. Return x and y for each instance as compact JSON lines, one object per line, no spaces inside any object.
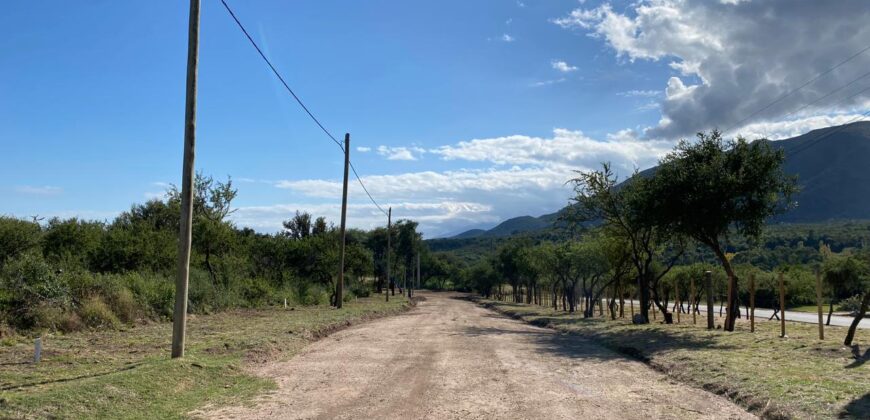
{"x":708,"y":283}
{"x":752,"y":302}
{"x":339,"y":287}
{"x":819,"y":303}
{"x":179,"y":318}
{"x":389,"y":237}
{"x":782,"y":305}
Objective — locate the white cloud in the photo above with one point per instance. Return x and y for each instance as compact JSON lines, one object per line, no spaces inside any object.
{"x":640,"y":93}
{"x":522,"y":175}
{"x":432,"y":215}
{"x":566,"y":147}
{"x":562,"y":66}
{"x":507,"y":38}
{"x":401,"y":153}
{"x":363,"y":149}
{"x":43,"y":191}
{"x":547,"y":82}
{"x":735,"y":57}
{"x":779,"y":130}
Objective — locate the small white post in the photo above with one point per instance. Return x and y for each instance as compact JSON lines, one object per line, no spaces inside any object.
{"x":285,"y":303}
{"x":37,"y":353}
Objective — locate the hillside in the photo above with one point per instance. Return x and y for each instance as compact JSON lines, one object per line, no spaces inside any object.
{"x":830,"y":164}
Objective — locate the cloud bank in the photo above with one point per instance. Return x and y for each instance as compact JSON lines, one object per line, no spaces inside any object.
{"x":733,"y":58}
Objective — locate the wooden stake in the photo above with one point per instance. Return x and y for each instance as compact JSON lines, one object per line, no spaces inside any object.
{"x":692,"y":301}
{"x":752,"y":302}
{"x":819,"y":303}
{"x":782,"y":305}
{"x":708,"y":280}
{"x":179,"y":318}
{"x":389,"y":236}
{"x":339,"y":287}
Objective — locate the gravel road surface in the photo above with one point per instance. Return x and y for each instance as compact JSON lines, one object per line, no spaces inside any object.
{"x":451,"y":359}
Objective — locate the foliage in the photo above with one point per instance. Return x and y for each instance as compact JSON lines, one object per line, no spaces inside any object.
{"x":71,"y":272}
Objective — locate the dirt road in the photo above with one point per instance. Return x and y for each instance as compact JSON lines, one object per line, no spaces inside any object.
{"x":450,"y":358}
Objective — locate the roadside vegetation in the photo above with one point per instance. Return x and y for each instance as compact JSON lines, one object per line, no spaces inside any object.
{"x":796,"y":377}
{"x":126,"y":373}
{"x":65,"y":275}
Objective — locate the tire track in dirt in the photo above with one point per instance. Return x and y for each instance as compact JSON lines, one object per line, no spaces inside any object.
{"x":449,"y":358}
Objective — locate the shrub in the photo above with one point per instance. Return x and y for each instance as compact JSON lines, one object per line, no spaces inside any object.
{"x":123,"y":304}
{"x":96,"y":314}
{"x":55,"y":319}
{"x":851,"y":305}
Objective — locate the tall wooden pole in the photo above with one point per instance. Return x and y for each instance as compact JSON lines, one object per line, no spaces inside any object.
{"x":179,"y":319}
{"x":819,"y":303}
{"x":339,"y":287}
{"x":389,"y":237}
{"x":708,"y":283}
{"x":781,"y":305}
{"x":752,"y":302}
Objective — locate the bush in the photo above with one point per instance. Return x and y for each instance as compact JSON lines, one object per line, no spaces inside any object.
{"x":96,"y":314}
{"x":851,"y":305}
{"x":123,"y":304}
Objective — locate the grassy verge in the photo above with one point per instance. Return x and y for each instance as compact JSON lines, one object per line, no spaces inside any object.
{"x":796,"y":377}
{"x":128,"y":374}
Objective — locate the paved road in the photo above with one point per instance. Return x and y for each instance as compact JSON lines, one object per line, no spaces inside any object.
{"x":762,"y":314}
{"x":451,"y":359}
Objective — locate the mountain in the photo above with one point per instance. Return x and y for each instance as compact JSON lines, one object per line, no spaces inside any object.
{"x":833,"y":169}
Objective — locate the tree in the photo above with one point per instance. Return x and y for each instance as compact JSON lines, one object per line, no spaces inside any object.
{"x":299,"y":227}
{"x":17,"y":237}
{"x":320,"y":226}
{"x":705,"y":190}
{"x":627,"y":211}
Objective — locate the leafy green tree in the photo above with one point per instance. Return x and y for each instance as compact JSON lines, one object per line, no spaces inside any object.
{"x":628,"y":211}
{"x":72,"y":241}
{"x":17,"y":237}
{"x":299,"y":227}
{"x":706,"y":189}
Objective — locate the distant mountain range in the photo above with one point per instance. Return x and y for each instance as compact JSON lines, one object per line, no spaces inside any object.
{"x":833,"y":169}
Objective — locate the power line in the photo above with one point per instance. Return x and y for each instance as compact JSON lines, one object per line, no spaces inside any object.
{"x":299,"y":101}
{"x":278,"y":75}
{"x":791,"y":92}
{"x":365,"y":189}
{"x":831,"y":93}
{"x":823,"y":136}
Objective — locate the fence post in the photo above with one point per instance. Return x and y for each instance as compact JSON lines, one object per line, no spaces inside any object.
{"x":693,"y":301}
{"x":819,"y":303}
{"x":782,"y":305}
{"x":752,"y":302}
{"x":708,"y":280}
{"x":677,"y":299}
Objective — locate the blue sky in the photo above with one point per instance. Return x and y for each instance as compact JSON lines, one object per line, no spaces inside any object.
{"x":462,"y":113}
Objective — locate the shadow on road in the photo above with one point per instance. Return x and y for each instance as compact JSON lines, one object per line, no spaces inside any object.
{"x":576,"y":345}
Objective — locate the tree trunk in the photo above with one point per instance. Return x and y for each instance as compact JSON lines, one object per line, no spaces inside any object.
{"x":733,"y":309}
{"x":830,"y":312}
{"x":858,"y":317}
{"x":643,"y":288}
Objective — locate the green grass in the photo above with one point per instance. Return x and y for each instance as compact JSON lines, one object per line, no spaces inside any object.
{"x":799,"y":376}
{"x":814,"y":309}
{"x":128,"y":374}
